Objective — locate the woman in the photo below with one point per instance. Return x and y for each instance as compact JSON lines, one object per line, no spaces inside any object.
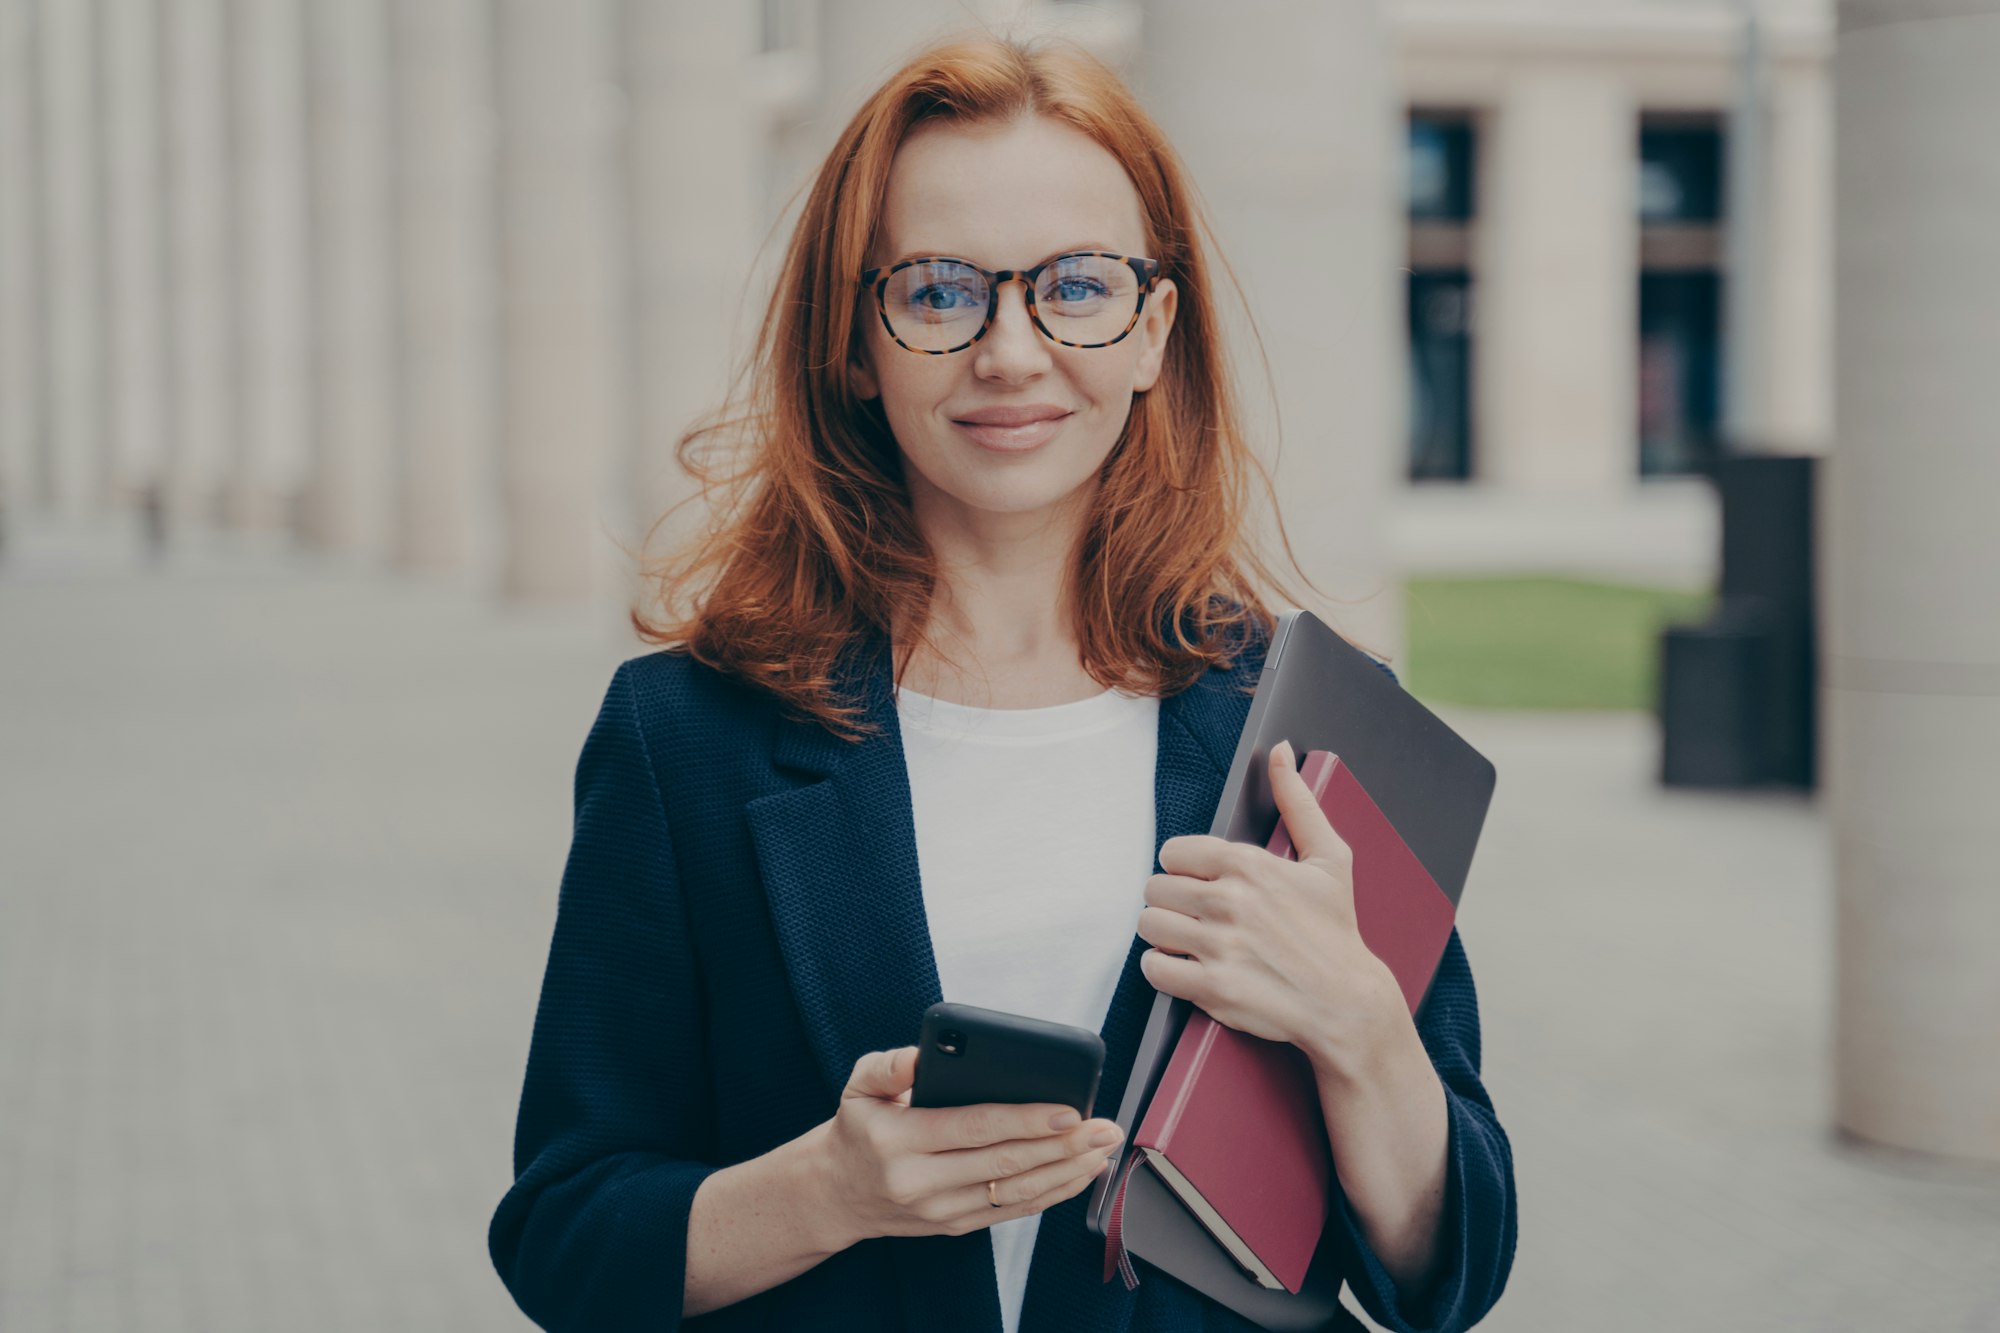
{"x":973,"y":638}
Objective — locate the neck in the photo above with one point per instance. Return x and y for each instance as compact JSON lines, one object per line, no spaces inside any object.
{"x":1001,"y":631}
{"x":1003,"y":578}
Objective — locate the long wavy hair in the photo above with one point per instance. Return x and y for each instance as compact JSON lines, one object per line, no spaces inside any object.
{"x":811,"y":543}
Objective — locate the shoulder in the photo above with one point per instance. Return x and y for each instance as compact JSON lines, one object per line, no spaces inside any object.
{"x":681,"y":707}
{"x":694,"y":741}
{"x":671,"y":686}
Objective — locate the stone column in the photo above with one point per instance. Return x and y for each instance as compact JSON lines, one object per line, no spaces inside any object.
{"x":22,"y":476}
{"x":1914,"y":689}
{"x":136,"y":342}
{"x":1294,"y":141}
{"x":273,"y":296}
{"x":696,"y":150}
{"x":1799,"y":396}
{"x":200,"y":258}
{"x":857,"y":44}
{"x":1556,"y":378}
{"x":71,"y":216}
{"x":862,"y":42}
{"x":348,"y":494}
{"x":562,"y":420}
{"x":441,"y":66}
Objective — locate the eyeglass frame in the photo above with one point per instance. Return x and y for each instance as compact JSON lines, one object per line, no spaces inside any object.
{"x":878,"y":277}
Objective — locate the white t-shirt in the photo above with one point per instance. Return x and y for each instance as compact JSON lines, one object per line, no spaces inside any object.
{"x":1034,"y":840}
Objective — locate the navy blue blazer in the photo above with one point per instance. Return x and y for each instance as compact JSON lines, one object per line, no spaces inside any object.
{"x":740,"y":919}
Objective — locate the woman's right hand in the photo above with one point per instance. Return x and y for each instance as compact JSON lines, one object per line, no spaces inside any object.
{"x":899,"y":1170}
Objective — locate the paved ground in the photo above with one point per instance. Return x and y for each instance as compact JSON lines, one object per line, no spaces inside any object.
{"x":278,"y":851}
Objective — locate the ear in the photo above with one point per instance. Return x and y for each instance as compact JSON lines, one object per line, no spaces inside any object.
{"x":1156,"y":323}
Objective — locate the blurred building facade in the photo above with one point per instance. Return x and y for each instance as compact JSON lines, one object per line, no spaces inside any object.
{"x":1571,"y":235}
{"x":438,"y":284}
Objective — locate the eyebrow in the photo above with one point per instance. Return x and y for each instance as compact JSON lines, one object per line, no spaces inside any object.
{"x":947,"y":254}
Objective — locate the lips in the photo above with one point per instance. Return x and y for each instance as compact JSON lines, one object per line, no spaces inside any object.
{"x":1013,"y":429}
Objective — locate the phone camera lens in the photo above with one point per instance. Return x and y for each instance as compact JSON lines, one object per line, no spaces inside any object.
{"x":951,"y":1041}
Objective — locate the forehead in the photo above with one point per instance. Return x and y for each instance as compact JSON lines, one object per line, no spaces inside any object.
{"x":1006,"y":194}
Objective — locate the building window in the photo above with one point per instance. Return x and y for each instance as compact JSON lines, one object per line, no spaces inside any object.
{"x":1439,"y":176}
{"x":1679,"y":370}
{"x":1440,"y":375}
{"x":1680,"y":292}
{"x":1680,"y":171}
{"x":1440,"y":294}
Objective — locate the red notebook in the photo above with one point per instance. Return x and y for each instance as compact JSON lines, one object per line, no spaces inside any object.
{"x":1234,"y":1126}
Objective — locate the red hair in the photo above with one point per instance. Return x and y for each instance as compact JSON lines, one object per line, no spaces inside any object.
{"x":811,"y":542}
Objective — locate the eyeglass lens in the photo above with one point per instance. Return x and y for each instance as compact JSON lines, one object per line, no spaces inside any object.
{"x":1081,"y":299}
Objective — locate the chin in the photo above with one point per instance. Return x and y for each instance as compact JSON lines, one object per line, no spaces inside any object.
{"x":1014,"y":484}
{"x":995,"y":484}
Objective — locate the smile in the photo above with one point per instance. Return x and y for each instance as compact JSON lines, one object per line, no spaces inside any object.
{"x":1013,"y":439}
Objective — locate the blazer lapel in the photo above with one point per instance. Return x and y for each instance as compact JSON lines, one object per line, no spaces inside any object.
{"x":838,"y":858}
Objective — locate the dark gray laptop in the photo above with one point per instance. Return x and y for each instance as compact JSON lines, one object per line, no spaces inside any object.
{"x":1321,"y":693}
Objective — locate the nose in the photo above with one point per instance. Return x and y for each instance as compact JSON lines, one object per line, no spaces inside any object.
{"x":1013,"y":348}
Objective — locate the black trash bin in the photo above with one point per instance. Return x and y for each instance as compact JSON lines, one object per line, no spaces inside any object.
{"x":1715,"y":683}
{"x":1738,"y":693}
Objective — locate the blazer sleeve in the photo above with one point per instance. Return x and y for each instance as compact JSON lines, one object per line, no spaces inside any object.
{"x":1478,"y":1221}
{"x":1476,"y":1244}
{"x":615,"y":1113}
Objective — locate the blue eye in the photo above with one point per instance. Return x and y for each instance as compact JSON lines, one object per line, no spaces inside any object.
{"x":1079,"y":289}
{"x":940,"y":298}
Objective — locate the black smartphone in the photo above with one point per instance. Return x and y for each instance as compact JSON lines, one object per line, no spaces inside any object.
{"x":968,"y":1055}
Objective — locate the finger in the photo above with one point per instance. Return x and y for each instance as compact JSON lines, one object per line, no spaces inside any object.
{"x":942,"y":1129}
{"x":1063,"y":1180}
{"x":1180,"y":893}
{"x":1305,"y":823}
{"x":883,"y":1074}
{"x":1029,"y":1191}
{"x":1087,"y":1168}
{"x":1198,"y":855}
{"x":1175,"y":932}
{"x":986,"y":1216}
{"x":1180,"y":977}
{"x":975,"y":1166}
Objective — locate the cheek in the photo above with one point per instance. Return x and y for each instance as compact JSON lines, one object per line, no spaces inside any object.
{"x":912,"y":391}
{"x":904,"y":377}
{"x":1107,"y":377}
{"x":1108,"y":385}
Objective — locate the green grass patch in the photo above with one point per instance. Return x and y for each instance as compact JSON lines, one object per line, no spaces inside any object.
{"x":1539,"y":642}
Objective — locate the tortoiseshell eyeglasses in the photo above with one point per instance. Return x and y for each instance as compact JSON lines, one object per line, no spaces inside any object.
{"x":937,"y":304}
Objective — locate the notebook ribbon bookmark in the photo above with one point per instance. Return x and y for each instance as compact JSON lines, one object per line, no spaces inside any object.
{"x":1116,"y":1258}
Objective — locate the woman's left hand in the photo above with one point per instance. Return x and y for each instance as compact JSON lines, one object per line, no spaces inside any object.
{"x":1269,"y":946}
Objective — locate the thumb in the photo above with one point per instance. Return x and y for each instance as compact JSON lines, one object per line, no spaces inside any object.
{"x":884,"y":1074}
{"x":1305,"y":823}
